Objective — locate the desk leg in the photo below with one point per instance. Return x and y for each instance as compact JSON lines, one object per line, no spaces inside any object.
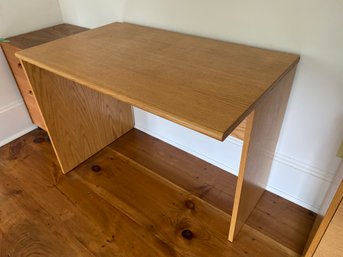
{"x":79,"y":120}
{"x":260,"y":139}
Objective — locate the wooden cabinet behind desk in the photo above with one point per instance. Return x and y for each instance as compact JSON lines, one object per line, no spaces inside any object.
{"x":25,"y":41}
{"x":23,"y":85}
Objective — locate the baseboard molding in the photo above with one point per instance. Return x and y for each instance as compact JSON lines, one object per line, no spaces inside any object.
{"x":17,"y":135}
{"x":295,"y":200}
{"x":10,"y":106}
{"x":15,"y":122}
{"x":285,"y":170}
{"x":326,"y":175}
{"x":187,"y":149}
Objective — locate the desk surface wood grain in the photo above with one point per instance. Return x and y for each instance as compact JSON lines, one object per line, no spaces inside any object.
{"x":207,"y":85}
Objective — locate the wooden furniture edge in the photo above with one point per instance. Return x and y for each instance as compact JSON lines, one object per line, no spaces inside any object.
{"x":313,"y":244}
{"x":261,"y":136}
{"x":331,"y":242}
{"x":240,"y":180}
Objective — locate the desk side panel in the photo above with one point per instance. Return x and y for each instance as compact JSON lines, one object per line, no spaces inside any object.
{"x":79,"y":120}
{"x":260,"y":139}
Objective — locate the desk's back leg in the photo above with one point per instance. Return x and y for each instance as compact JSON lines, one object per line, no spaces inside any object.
{"x":260,"y":139}
{"x":79,"y":120}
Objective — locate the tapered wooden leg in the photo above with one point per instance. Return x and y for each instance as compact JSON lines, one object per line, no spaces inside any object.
{"x":79,"y":120}
{"x":260,"y":139}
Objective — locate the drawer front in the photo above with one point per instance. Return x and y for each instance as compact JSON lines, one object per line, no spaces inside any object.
{"x":23,"y":85}
{"x":13,"y":61}
{"x":34,"y":110}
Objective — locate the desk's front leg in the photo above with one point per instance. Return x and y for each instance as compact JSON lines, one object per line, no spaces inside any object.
{"x":80,"y":121}
{"x":260,"y":139}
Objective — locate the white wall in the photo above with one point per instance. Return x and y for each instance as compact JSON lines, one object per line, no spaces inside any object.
{"x":17,"y":17}
{"x":91,"y":14}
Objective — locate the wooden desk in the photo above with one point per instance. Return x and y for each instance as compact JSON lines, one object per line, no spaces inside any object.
{"x":86,"y":85}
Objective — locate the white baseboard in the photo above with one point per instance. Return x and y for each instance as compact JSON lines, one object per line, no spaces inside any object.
{"x":326,"y":175}
{"x":291,"y":179}
{"x":14,"y":122}
{"x":295,"y":200}
{"x":17,"y":135}
{"x":188,"y":149}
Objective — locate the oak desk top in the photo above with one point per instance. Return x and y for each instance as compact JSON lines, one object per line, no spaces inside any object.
{"x":207,"y":85}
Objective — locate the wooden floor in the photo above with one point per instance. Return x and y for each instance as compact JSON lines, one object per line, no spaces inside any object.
{"x":124,"y":201}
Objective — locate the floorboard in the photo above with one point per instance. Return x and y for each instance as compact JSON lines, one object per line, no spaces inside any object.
{"x":282,"y":220}
{"x":137,"y":197}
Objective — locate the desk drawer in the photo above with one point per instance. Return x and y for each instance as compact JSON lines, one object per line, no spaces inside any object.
{"x":34,"y":110}
{"x":13,"y":61}
{"x":23,"y":85}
